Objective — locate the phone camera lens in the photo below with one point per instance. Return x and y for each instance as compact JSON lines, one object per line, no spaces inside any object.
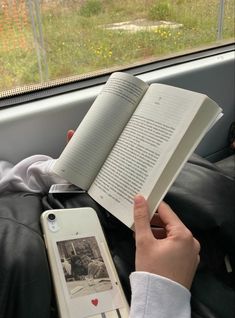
{"x":51,"y":217}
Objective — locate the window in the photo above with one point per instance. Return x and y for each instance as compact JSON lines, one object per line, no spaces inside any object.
{"x":49,"y":42}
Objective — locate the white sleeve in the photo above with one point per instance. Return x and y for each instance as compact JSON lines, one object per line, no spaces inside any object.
{"x":156,"y":296}
{"x":33,"y":174}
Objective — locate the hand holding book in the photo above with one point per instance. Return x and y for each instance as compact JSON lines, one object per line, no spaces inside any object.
{"x":135,"y":139}
{"x":176,"y":256}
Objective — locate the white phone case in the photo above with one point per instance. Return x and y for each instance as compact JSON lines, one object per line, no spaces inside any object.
{"x":85,"y":279}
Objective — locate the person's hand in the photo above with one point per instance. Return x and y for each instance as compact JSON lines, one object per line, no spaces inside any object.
{"x":174,"y":255}
{"x":70,"y":134}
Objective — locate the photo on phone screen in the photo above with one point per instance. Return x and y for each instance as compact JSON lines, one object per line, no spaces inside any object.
{"x":83,"y":266}
{"x":87,"y":278}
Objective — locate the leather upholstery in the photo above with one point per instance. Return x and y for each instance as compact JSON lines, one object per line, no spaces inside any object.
{"x":227,"y":165}
{"x":25,"y":286}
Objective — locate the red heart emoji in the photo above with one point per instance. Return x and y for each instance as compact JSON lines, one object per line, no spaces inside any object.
{"x":95,"y":301}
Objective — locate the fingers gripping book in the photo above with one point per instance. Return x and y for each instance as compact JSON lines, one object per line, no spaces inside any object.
{"x":135,"y":138}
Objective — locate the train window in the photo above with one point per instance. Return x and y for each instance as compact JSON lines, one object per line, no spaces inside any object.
{"x":44,"y":43}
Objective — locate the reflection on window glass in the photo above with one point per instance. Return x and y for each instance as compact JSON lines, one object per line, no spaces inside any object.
{"x":51,"y":40}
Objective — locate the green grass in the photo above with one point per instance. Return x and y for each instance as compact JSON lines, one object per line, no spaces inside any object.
{"x":76,"y":44}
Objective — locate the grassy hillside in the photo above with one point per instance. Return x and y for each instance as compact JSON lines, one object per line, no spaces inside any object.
{"x":70,"y":37}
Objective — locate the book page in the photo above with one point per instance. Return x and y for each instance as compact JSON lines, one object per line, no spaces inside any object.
{"x":144,"y":148}
{"x":86,"y":152}
{"x":209,"y":113}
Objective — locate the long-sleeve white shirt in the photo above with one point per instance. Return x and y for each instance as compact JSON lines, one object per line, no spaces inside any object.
{"x":153,"y":296}
{"x":33,"y":174}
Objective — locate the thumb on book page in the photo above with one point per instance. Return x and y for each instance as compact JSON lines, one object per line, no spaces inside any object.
{"x":141,"y":219}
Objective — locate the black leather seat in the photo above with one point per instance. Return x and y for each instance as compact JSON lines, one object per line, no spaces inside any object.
{"x":227,"y":165}
{"x":25,"y":285}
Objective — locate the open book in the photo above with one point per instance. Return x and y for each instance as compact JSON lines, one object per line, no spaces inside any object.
{"x":135,"y":138}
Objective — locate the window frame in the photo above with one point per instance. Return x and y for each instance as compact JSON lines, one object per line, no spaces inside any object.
{"x":51,"y":89}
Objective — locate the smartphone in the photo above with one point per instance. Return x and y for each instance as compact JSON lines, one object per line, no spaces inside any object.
{"x":65,"y":188}
{"x":85,"y":279}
